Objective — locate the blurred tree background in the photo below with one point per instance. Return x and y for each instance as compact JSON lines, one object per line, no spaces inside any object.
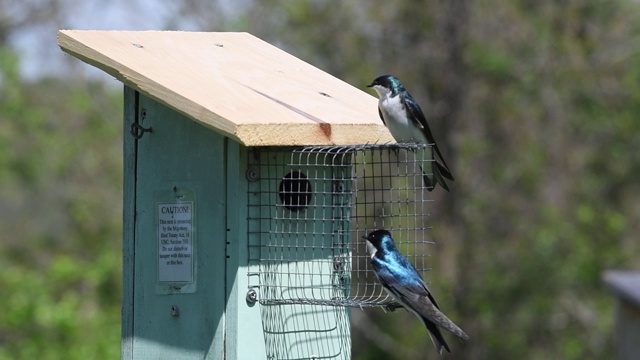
{"x":535,"y":104}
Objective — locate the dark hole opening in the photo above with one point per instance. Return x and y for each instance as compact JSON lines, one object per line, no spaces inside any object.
{"x":295,"y":191}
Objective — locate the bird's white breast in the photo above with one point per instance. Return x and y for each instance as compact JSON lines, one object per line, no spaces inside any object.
{"x":371,"y":249}
{"x":395,"y":117}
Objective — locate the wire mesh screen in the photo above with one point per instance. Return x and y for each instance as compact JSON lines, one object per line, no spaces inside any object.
{"x":310,"y":207}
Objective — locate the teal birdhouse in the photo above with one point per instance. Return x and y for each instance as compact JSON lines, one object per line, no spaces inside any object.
{"x":250,"y":179}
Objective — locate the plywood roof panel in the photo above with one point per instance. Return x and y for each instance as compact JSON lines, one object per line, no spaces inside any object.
{"x":235,"y":83}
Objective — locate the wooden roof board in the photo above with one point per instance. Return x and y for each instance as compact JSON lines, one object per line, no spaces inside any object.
{"x":235,"y":83}
{"x":624,"y":284}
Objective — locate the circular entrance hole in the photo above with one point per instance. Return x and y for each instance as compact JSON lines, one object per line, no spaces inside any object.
{"x":295,"y":191}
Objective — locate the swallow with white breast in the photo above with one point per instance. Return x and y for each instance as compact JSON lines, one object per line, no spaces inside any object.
{"x":404,"y":118}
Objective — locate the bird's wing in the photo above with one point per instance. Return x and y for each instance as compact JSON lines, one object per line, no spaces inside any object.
{"x":412,"y":106}
{"x":420,"y":299}
{"x":416,"y":296}
{"x":439,"y":176}
{"x":381,"y":117}
{"x":429,"y":183}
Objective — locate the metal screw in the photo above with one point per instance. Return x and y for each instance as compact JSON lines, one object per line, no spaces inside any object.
{"x":252,"y":174}
{"x":338,"y":186}
{"x":175,"y":311}
{"x":178,"y":192}
{"x":252,"y":296}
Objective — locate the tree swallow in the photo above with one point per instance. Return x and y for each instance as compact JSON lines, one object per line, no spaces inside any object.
{"x":404,"y":118}
{"x":403,"y":282}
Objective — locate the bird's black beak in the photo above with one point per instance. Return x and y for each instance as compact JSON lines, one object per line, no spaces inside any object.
{"x":365,"y":237}
{"x":370,"y":85}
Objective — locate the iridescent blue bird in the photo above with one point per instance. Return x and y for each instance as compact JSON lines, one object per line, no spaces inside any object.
{"x":404,"y":118}
{"x":403,"y":282}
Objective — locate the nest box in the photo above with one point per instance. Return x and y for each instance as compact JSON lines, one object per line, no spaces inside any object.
{"x":250,"y":178}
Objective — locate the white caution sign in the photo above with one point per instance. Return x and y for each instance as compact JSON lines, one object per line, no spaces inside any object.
{"x":175,"y":242}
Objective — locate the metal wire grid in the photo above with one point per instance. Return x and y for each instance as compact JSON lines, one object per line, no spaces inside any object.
{"x":310,"y":207}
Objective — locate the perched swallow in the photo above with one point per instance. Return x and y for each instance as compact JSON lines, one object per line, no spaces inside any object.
{"x":403,"y":282}
{"x":404,"y":118}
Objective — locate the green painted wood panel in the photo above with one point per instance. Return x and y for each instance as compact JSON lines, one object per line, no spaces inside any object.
{"x":180,"y":161}
{"x":170,"y":321}
{"x":244,"y":335}
{"x":129,"y":206}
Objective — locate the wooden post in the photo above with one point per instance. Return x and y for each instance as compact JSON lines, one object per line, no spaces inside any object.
{"x":625,"y":287}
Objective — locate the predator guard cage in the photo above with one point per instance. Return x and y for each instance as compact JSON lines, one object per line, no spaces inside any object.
{"x":309,"y":209}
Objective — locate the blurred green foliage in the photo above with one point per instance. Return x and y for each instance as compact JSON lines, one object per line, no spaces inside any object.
{"x":534,"y":103}
{"x":60,"y":170}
